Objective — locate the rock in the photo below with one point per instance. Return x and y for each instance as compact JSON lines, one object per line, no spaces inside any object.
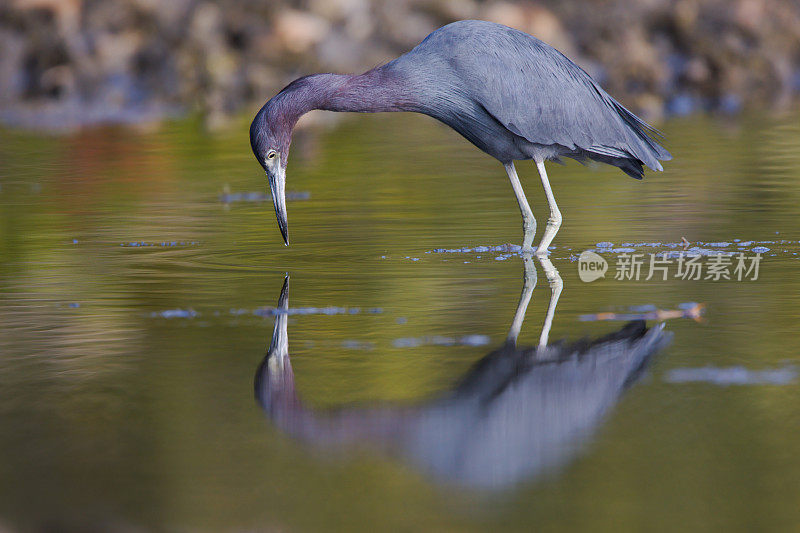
{"x":298,"y":31}
{"x":64,"y":63}
{"x":531,"y":18}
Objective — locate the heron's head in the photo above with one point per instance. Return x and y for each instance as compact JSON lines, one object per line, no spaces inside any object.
{"x":270,"y":143}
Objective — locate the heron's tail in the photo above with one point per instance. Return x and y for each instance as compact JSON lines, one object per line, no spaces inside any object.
{"x":638,"y":147}
{"x":631,"y":166}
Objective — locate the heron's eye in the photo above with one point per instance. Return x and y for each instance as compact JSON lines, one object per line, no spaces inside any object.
{"x":271,"y":154}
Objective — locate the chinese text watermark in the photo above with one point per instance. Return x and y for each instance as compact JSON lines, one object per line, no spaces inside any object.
{"x":661,"y":267}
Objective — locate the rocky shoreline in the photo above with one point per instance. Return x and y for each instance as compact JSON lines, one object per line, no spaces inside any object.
{"x":68,"y":63}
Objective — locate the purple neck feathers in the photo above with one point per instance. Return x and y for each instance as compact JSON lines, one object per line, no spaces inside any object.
{"x":378,"y":90}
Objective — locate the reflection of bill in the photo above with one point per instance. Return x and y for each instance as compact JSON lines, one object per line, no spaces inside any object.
{"x":591,"y":266}
{"x":517,"y":414}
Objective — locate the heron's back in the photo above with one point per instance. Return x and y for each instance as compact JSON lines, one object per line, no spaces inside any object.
{"x":516,"y":97}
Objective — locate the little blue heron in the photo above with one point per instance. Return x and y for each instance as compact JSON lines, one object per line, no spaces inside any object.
{"x":508,"y":93}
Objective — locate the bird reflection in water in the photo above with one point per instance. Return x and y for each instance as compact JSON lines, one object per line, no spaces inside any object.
{"x":517,"y":413}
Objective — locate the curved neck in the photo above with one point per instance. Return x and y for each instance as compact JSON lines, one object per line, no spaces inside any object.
{"x":378,"y":90}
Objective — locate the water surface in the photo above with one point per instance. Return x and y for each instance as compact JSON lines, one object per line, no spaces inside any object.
{"x":137,"y":302}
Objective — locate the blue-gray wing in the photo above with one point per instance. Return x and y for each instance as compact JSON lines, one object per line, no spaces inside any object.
{"x":539,"y":94}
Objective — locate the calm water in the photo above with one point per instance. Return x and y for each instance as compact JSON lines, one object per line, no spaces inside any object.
{"x":127,"y":370}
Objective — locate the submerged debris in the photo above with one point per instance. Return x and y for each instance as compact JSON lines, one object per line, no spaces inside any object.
{"x":268,"y":311}
{"x":735,"y":375}
{"x":272,"y":311}
{"x":232,"y":197}
{"x":438,"y":340}
{"x":671,"y":250}
{"x":163,"y":244}
{"x":503,"y":248}
{"x":358,"y":345}
{"x":176,"y":313}
{"x":650,"y":312}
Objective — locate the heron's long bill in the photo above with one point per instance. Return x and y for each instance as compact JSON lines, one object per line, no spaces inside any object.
{"x":277,"y":185}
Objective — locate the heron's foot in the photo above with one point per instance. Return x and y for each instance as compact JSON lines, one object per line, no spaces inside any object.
{"x":527,"y":245}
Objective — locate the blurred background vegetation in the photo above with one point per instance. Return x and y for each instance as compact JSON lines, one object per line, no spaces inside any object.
{"x":65,"y":63}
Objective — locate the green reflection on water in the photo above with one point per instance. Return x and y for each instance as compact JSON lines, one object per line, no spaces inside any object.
{"x":111,"y":415}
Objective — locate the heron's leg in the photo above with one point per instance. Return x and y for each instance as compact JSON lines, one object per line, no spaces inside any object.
{"x":554,"y":222}
{"x":528,"y":222}
{"x":556,"y":284}
{"x":528,"y":284}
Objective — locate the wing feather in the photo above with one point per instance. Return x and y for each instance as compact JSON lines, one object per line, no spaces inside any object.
{"x":539,"y":94}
